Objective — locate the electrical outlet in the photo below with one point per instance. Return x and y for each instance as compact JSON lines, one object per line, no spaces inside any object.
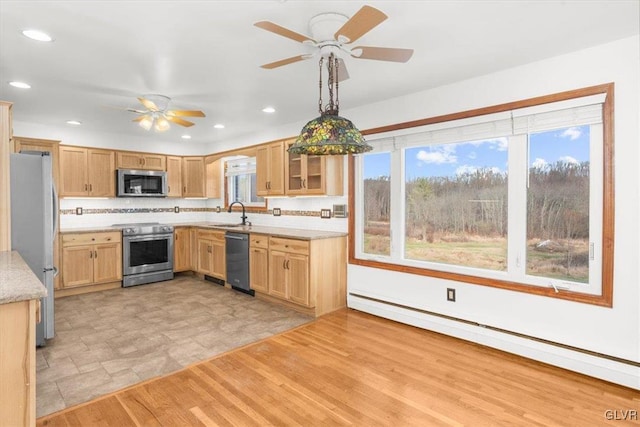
{"x":78,"y":211}
{"x":339,"y":211}
{"x":451,"y":294}
{"x":325,"y":213}
{"x":277,"y":212}
{"x":176,"y":209}
{"x":218,"y":209}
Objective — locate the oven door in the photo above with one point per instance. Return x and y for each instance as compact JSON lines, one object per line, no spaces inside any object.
{"x":146,"y":253}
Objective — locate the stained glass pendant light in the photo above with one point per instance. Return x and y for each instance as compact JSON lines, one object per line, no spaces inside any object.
{"x":329,"y":134}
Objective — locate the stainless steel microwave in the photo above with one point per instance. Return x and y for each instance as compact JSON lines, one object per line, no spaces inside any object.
{"x":137,"y":183}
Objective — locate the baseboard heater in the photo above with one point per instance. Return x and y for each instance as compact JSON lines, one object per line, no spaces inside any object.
{"x":504,"y":331}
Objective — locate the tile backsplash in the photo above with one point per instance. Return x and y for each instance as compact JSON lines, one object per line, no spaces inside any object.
{"x":298,"y":212}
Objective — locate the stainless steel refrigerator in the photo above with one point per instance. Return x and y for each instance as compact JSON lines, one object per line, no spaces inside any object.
{"x":34,"y":218}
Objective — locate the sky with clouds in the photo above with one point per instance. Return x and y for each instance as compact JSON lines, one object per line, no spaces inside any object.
{"x":570,"y":145}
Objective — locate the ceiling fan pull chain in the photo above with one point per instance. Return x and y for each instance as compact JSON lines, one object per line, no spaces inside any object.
{"x":320,"y":87}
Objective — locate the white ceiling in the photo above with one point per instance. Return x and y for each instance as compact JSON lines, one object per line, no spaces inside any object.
{"x":206,"y":55}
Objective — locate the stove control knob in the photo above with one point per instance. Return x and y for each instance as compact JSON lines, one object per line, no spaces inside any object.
{"x":128,"y":230}
{"x":166,"y":228}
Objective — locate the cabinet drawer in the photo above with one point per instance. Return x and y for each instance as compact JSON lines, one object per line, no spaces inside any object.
{"x":211,"y":234}
{"x":289,"y":245}
{"x":91,"y":238}
{"x":259,"y":241}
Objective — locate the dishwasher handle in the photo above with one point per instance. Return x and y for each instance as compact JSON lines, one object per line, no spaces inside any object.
{"x":227,"y":236}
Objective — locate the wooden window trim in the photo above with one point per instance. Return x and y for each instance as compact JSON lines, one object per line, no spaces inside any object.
{"x":608,"y":200}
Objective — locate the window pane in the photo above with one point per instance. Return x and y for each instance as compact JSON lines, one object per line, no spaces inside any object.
{"x":456,"y":204}
{"x":377,"y":203}
{"x":558,"y":204}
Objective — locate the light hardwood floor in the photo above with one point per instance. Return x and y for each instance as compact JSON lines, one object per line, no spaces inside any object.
{"x":350,"y":368}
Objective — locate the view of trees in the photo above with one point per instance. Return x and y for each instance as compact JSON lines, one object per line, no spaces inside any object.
{"x":462,"y":219}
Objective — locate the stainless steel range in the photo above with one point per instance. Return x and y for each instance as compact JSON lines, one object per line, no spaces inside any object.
{"x":147,"y":253}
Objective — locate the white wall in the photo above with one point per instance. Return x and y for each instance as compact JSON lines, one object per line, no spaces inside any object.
{"x":611,"y":331}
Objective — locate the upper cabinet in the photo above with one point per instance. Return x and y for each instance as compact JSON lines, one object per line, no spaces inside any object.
{"x":130,"y":160}
{"x":213,"y":177}
{"x":314,"y":175}
{"x":270,"y":169}
{"x":87,"y":172}
{"x":193,"y":177}
{"x":174,"y":176}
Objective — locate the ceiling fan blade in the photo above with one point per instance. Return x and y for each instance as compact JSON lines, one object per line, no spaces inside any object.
{"x":185,"y":113}
{"x":150,"y":105}
{"x":285,"y":61}
{"x":361,"y":23}
{"x":382,"y":53}
{"x":281,"y":31}
{"x":179,"y":121}
{"x":138,"y":119}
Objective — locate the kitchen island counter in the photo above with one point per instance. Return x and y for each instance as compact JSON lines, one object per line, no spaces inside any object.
{"x":17,"y":281}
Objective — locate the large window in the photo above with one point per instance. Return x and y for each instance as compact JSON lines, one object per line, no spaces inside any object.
{"x":241,"y":182}
{"x":519,"y":197}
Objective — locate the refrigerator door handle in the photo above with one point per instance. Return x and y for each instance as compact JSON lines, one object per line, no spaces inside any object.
{"x":55,"y":210}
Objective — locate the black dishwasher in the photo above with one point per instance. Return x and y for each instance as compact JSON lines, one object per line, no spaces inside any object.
{"x":237,"y":254}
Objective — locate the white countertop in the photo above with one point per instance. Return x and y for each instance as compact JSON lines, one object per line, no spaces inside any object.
{"x":17,"y":281}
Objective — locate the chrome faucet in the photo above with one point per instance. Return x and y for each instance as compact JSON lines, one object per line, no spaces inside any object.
{"x":244,"y":216}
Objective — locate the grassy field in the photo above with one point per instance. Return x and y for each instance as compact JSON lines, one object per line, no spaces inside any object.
{"x":491,"y":253}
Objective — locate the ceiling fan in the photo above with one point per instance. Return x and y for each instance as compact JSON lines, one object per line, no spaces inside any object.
{"x":158,"y":116}
{"x":328,"y":40}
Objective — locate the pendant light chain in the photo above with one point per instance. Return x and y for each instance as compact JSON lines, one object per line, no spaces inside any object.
{"x":320,"y":87}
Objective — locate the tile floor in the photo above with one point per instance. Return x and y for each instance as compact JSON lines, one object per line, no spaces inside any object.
{"x":109,"y":340}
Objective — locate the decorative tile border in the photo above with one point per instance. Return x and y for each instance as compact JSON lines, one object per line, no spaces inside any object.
{"x":88,"y":211}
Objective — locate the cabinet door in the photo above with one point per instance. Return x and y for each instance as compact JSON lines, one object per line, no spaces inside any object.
{"x":314,"y":176}
{"x":73,"y":172}
{"x":297,"y":267}
{"x":213,"y":171}
{"x":262,"y":171}
{"x":102,"y":173}
{"x":219,"y":262}
{"x":154,"y":162}
{"x":107,"y":263}
{"x":294,"y":174}
{"x":129,"y":160}
{"x":182,"y":249}
{"x":174,"y":176}
{"x":259,"y":269}
{"x":278,"y":274}
{"x":192,"y":177}
{"x":204,"y":256}
{"x":276,"y":169}
{"x":77,"y":266}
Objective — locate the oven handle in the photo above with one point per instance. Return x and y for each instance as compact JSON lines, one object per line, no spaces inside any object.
{"x":146,"y":237}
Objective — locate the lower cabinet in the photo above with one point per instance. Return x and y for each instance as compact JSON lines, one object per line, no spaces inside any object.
{"x":309,"y":275}
{"x":90,"y":259}
{"x":211,"y":253}
{"x":182,"y":249}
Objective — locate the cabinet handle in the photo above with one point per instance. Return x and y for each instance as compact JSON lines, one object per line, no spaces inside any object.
{"x":90,"y":187}
{"x":93,"y":239}
{"x":284,"y":264}
{"x":184,"y":189}
{"x":90,"y":254}
{"x":304,"y":183}
{"x":144,"y":161}
{"x":288,"y":264}
{"x":86,"y":187}
{"x":96,"y":252}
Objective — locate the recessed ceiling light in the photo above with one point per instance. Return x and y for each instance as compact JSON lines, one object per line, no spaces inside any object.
{"x":218,"y":126}
{"x":186,"y":136}
{"x":37,"y":35}
{"x":20,"y":85}
{"x":268,"y":110}
{"x":74,"y":122}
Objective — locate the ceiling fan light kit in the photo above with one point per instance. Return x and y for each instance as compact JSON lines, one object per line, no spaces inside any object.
{"x":329,"y":134}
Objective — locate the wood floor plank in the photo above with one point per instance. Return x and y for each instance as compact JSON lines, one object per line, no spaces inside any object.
{"x":353,"y":369}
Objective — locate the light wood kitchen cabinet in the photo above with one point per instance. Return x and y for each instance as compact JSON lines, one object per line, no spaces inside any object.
{"x":259,"y":262}
{"x":313,"y":175}
{"x":91,"y":259}
{"x":213,"y":173}
{"x":87,"y":172}
{"x":18,"y":363}
{"x":146,"y":161}
{"x":309,"y":275}
{"x":193,"y":177}
{"x":211,"y":253}
{"x":182,"y":249}
{"x":270,"y":169}
{"x":174,"y":176}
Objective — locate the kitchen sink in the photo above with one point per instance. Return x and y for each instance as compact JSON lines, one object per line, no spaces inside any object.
{"x":231,"y":226}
